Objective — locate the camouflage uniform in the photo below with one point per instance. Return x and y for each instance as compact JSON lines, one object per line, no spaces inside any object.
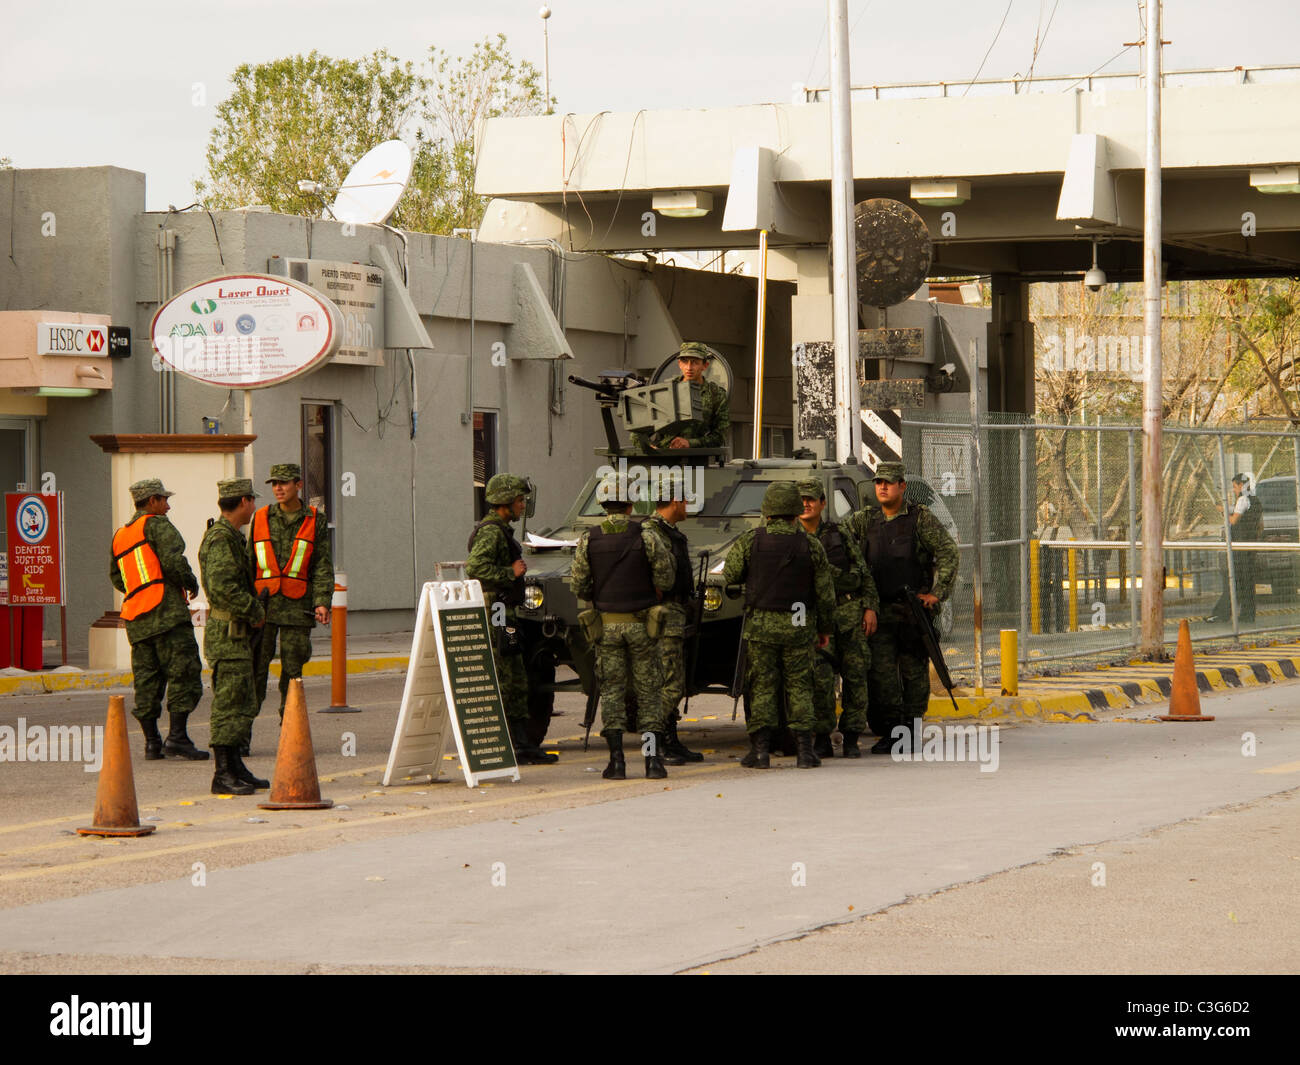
{"x":781,"y":651}
{"x":899,"y":677}
{"x":625,"y":652}
{"x":228,"y":583}
{"x":164,"y":652}
{"x":490,"y":564}
{"x":714,"y":424}
{"x":289,"y":621}
{"x":848,"y":653}
{"x":672,"y":657}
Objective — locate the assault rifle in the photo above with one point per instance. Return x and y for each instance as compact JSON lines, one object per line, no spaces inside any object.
{"x":925,"y":628}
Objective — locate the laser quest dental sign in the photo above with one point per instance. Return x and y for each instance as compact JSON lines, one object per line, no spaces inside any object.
{"x":245,"y":331}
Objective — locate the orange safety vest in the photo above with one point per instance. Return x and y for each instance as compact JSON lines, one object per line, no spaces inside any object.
{"x":141,"y":572}
{"x":292,"y":581}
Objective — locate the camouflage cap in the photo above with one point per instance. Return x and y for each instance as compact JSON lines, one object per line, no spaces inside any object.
{"x":781,"y":500}
{"x":891,"y":471}
{"x":505,"y":488}
{"x":693,"y":349}
{"x":812,"y":489}
{"x":147,"y":489}
{"x":235,"y":487}
{"x":285,"y":471}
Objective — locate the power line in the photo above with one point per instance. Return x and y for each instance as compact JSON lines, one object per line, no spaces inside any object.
{"x":990,"y":49}
{"x":1040,"y":42}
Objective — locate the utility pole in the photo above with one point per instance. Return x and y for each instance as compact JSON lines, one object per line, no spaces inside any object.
{"x":844,"y":280}
{"x":544,"y":14}
{"x":1153,"y":531}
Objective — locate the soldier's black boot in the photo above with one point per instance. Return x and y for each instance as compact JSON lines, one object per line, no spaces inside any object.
{"x":806,"y":759}
{"x":887,"y":720}
{"x":527,"y":752}
{"x":178,"y":743}
{"x":850,"y":749}
{"x":759,"y":756}
{"x":153,"y":742}
{"x":617,"y":768}
{"x":654,"y":763}
{"x":224,"y":781}
{"x":242,"y":772}
{"x":674,"y":747}
{"x":822,"y":745}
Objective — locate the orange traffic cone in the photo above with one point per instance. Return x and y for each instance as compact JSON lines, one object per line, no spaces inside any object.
{"x":294,"y":785}
{"x":116,"y":813}
{"x":1185,"y":697}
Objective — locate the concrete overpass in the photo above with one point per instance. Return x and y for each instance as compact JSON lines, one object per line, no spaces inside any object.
{"x":1038,"y":176}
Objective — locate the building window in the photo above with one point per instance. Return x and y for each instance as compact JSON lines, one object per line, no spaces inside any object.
{"x":777,"y":442}
{"x":485,"y":456}
{"x":319,"y":477}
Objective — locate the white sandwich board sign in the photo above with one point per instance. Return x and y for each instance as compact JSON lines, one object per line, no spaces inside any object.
{"x":451,"y":691}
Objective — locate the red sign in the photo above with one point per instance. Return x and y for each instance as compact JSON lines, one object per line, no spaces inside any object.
{"x":34,"y":532}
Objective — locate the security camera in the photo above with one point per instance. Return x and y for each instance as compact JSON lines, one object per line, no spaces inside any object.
{"x":948,"y":369}
{"x":1095,"y":277}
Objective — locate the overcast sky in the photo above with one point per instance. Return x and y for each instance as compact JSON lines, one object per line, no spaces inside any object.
{"x":85,"y":83}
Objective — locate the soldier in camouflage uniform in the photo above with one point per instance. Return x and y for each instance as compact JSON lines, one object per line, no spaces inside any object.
{"x":905,"y":545}
{"x":624,"y":569}
{"x":496,"y":561}
{"x":164,"y":654}
{"x":234,"y":612}
{"x":678,"y":602}
{"x":856,"y":605}
{"x":296,"y":568}
{"x":789,"y":607}
{"x":713,"y":429}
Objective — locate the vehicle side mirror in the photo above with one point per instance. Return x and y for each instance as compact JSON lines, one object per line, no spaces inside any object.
{"x":530,"y":506}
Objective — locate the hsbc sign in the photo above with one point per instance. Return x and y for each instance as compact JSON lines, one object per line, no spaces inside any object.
{"x":71,"y":338}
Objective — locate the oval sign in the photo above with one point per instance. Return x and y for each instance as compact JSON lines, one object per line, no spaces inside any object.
{"x":246,"y":331}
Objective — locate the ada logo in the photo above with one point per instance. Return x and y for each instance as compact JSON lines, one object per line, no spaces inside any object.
{"x":245,"y":323}
{"x":203,"y":306}
{"x":188,"y":329}
{"x":33,"y":520}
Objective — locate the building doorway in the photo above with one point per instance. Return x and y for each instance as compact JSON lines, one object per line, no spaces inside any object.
{"x":320,"y":481}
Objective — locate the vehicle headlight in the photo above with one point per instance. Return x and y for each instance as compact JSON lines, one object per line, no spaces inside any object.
{"x":534,"y":597}
{"x":712,"y":598}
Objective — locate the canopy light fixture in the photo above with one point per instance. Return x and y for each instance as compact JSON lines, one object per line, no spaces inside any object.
{"x":54,"y":392}
{"x":1276,"y":179}
{"x":684,"y":204}
{"x":941,"y":193}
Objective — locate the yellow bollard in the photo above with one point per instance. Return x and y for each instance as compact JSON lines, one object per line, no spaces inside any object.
{"x":1010,"y":662}
{"x":1035,"y":593}
{"x":1072,"y":563}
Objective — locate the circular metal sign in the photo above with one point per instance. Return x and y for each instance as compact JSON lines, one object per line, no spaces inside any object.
{"x":245,"y":331}
{"x":893,"y":251}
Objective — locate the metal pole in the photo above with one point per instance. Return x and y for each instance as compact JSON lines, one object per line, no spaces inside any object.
{"x":1227,"y":538}
{"x":545,"y":14}
{"x":1153,"y":531}
{"x":759,"y":335}
{"x":1025,"y":591}
{"x":844,"y":280}
{"x":249,"y":471}
{"x":1132,"y":539}
{"x":977,"y":527}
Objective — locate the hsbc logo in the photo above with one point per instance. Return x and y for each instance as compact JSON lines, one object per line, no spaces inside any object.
{"x":71,"y":338}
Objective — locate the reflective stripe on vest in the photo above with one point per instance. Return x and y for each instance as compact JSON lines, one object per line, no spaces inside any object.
{"x":292,"y":581}
{"x":141,"y":572}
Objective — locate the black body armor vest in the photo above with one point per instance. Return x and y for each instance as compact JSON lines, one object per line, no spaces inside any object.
{"x":891,"y":554}
{"x":620,"y":571}
{"x":832,"y":538}
{"x":780,"y":571}
{"x":683,"y":584}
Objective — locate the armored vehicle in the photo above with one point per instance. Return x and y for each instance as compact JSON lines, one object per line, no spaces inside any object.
{"x":723,"y":499}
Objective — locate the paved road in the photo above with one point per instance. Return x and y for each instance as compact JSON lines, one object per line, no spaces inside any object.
{"x":566,"y":872}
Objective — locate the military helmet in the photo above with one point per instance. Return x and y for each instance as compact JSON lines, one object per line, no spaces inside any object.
{"x":782,"y":500}
{"x":504,"y":488}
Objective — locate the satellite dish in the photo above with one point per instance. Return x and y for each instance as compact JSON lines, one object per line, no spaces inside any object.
{"x":370,"y":192}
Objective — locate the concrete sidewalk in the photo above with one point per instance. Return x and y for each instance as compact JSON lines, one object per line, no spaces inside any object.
{"x":371,"y":653}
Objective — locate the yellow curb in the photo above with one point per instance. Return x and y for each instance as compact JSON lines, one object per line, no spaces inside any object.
{"x":43,"y":683}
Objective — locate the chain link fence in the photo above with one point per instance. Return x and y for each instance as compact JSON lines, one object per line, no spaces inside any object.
{"x":1060,"y":534}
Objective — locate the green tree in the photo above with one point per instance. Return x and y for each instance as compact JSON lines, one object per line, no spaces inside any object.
{"x":6,"y":163}
{"x":303,"y":117}
{"x":312,"y":117}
